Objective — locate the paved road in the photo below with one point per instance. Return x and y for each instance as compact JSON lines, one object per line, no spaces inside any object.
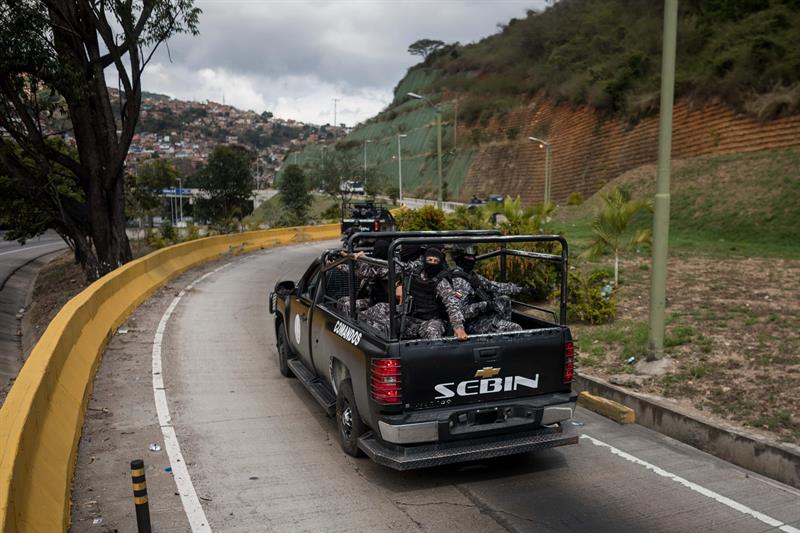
{"x":18,"y":267}
{"x":263,"y":457}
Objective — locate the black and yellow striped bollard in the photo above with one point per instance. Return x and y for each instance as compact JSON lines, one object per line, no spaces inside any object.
{"x":140,"y":496}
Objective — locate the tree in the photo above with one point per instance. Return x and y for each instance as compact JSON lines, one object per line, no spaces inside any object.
{"x":143,"y":191}
{"x":424,"y":47}
{"x":295,"y":196}
{"x":519,"y":220}
{"x":610,"y":227}
{"x":228,"y":182}
{"x":335,"y":169}
{"x":374,"y":182}
{"x":53,"y":58}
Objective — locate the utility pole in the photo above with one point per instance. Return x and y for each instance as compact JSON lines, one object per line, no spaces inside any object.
{"x":658,"y":281}
{"x":400,"y":165}
{"x":455,"y":125}
{"x":366,"y":141}
{"x":335,"y":101}
{"x":438,"y":110}
{"x":180,"y":192}
{"x":439,"y":153}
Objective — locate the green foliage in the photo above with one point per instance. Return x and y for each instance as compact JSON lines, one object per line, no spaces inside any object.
{"x":227,"y":180}
{"x":168,"y":231}
{"x":575,"y":198}
{"x":375,"y":182}
{"x":425,"y":218}
{"x":143,"y":191}
{"x":469,"y":218}
{"x":608,"y":54}
{"x":590,"y":297}
{"x":295,"y":196}
{"x":512,"y":134}
{"x":424,"y":47}
{"x":611,"y":227}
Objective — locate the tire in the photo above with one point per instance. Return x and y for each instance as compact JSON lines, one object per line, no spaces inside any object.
{"x":348,"y":420}
{"x":284,"y":352}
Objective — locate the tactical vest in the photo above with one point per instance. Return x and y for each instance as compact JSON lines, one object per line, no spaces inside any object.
{"x":426,"y":306}
{"x":478,"y":293}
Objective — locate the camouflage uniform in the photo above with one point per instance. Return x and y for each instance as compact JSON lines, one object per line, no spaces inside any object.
{"x":365,"y":273}
{"x":483,"y":317}
{"x":435,"y":328}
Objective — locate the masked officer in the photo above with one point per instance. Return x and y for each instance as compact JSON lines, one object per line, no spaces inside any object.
{"x":485,"y":304}
{"x":424,"y":294}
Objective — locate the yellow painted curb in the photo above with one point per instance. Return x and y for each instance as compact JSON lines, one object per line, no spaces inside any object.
{"x":608,"y":408}
{"x":42,"y":417}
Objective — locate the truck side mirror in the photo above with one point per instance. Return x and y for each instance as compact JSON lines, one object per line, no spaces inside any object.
{"x":285,"y":288}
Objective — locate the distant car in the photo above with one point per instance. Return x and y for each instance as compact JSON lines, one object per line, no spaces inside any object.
{"x":474,"y":202}
{"x":496,"y":199}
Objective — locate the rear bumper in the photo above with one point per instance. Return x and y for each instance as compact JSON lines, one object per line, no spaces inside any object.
{"x":429,"y":455}
{"x":455,"y":423}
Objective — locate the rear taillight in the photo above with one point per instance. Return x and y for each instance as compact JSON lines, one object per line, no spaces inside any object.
{"x":376,"y":226}
{"x":385,"y":377}
{"x":569,"y":362}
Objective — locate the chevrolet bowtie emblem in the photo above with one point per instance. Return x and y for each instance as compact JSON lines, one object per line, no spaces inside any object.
{"x":487,"y":372}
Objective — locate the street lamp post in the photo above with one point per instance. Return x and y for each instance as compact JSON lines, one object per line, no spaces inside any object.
{"x":547,"y":160}
{"x":366,"y":142}
{"x":438,"y":110}
{"x":400,"y":165}
{"x":180,"y":198}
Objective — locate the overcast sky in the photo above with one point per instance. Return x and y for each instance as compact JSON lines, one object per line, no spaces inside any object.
{"x":292,"y":57}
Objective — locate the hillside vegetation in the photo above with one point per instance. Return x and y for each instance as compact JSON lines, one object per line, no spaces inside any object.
{"x":737,"y":204}
{"x":600,"y":58}
{"x":607,"y":54}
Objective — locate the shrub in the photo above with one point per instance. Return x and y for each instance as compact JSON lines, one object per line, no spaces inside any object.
{"x":591,"y":298}
{"x":512,"y":134}
{"x":424,"y":218}
{"x":575,"y":198}
{"x":167,"y":231}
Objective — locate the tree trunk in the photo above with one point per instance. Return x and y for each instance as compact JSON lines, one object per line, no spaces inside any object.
{"x":616,"y":268}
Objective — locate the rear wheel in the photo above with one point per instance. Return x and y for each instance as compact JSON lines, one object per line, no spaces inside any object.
{"x":284,"y":352}
{"x":348,"y":420}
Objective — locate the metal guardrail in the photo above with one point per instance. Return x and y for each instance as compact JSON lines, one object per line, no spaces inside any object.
{"x":415,"y":203}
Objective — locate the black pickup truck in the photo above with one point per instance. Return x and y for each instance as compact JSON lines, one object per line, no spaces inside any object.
{"x":366,"y":216}
{"x":412,"y":403}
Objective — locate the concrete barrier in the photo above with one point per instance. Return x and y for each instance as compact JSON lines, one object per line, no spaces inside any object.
{"x":779,"y":461}
{"x":42,"y":417}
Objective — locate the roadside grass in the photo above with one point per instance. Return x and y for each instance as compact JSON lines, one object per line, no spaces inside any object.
{"x":269,"y":213}
{"x":734,"y":205}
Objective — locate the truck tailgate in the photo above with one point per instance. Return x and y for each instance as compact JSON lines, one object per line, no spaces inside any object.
{"x":444,"y":372}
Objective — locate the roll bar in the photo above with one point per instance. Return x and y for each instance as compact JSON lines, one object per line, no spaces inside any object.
{"x":503,"y":241}
{"x":400,"y":234}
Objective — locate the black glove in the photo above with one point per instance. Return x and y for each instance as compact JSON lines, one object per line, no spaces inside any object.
{"x":528,"y":291}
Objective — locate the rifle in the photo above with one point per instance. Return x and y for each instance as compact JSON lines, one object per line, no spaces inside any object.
{"x":408,"y":300}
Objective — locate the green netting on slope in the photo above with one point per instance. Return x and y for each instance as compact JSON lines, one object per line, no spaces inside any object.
{"x":415,"y":81}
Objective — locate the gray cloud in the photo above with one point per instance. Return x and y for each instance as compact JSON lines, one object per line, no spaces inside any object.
{"x":293,"y":57}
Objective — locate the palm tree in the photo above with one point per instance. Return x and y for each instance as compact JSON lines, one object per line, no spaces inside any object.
{"x":610,"y":227}
{"x":519,"y":220}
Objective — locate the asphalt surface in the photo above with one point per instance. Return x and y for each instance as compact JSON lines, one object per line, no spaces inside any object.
{"x":262,"y":456}
{"x":19,"y":265}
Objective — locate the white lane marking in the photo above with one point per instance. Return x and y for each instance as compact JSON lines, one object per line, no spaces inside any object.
{"x":191,"y":503}
{"x":697,"y":488}
{"x":24,"y":248}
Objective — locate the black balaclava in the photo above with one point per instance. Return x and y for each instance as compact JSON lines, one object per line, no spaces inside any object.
{"x":466,"y":262}
{"x":380,"y":249}
{"x":409,"y":252}
{"x":430,"y":269}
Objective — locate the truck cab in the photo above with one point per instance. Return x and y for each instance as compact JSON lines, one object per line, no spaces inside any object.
{"x":413,"y":403}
